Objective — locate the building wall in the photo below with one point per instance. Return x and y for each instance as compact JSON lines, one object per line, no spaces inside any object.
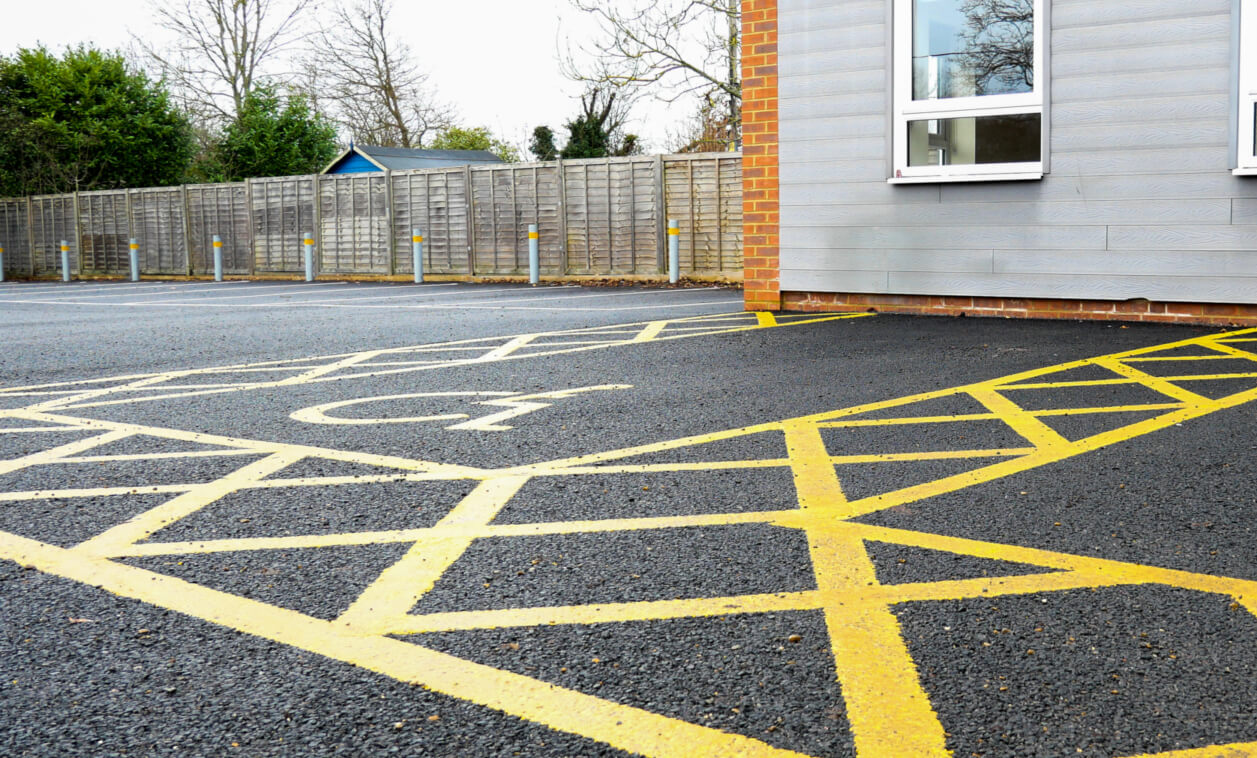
{"x":1139,"y":201}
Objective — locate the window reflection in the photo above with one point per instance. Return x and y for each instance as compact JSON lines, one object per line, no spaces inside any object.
{"x":964,"y":48}
{"x":971,"y":141}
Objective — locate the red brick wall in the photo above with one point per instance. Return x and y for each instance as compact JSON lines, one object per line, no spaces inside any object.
{"x":760,"y":190}
{"x":1101,"y":310}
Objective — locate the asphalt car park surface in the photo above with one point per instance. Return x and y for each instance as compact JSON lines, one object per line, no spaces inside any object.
{"x":280,"y":519}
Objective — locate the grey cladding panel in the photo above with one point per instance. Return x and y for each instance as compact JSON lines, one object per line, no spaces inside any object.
{"x":1139,"y":200}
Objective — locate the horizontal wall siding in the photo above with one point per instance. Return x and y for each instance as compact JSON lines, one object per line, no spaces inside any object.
{"x":1139,"y":201}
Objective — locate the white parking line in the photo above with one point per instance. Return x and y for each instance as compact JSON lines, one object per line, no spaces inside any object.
{"x":431,"y":306}
{"x":601,"y":294}
{"x":95,"y":286}
{"x":434,"y":294}
{"x":176,"y":289}
{"x":305,"y":286}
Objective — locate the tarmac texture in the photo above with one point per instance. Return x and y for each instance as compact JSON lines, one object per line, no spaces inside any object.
{"x":446,"y":520}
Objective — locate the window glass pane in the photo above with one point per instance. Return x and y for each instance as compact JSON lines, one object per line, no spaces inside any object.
{"x":963,"y":48}
{"x":972,"y":141}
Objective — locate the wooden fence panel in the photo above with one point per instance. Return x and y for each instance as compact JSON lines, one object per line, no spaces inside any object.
{"x":52,"y":220}
{"x":354,"y":238}
{"x":434,"y":201}
{"x":158,"y":223}
{"x":697,"y":196}
{"x":283,"y":210}
{"x":105,"y":232}
{"x":612,"y":221}
{"x":506,"y":200}
{"x":15,"y":237}
{"x":223,"y":210}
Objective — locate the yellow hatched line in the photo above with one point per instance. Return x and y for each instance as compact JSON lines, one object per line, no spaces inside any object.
{"x":607,"y":613}
{"x":1022,"y":421}
{"x":400,"y":587}
{"x":150,"y":522}
{"x":889,"y":712}
{"x":65,"y":494}
{"x":623,"y":727}
{"x":1157,"y":384}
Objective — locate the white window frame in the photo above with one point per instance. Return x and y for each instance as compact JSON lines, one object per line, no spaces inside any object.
{"x":1246,"y":156}
{"x":906,"y":109}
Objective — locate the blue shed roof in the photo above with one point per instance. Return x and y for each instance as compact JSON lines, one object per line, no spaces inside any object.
{"x":364,"y":158}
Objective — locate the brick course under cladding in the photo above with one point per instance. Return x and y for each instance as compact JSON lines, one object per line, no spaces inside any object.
{"x":761,"y":208}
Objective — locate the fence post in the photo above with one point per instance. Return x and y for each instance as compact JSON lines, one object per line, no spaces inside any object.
{"x":471,"y":221}
{"x":65,"y":260}
{"x":78,"y":234}
{"x":562,"y":180}
{"x":218,"y":258}
{"x":674,"y":252}
{"x":135,"y":259}
{"x":416,"y":239}
{"x":309,"y":245}
{"x":661,"y":212}
{"x":534,"y":255}
{"x":187,"y":229}
{"x":1,"y":263}
{"x":388,"y":214}
{"x":30,"y":234}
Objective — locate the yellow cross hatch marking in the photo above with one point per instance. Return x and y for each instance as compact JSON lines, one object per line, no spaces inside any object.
{"x":888,"y":708}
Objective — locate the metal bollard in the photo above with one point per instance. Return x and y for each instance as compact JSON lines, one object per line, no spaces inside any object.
{"x":135,"y":260}
{"x":674,"y":252}
{"x":416,"y":239}
{"x":309,"y":243}
{"x":218,"y":258}
{"x":1,"y":264}
{"x":534,"y":255}
{"x":65,"y":261}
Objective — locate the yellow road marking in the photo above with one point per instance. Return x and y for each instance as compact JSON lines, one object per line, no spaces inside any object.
{"x":623,"y":727}
{"x":888,"y":708}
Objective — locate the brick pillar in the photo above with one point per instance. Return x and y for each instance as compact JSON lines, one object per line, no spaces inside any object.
{"x":760,"y":187}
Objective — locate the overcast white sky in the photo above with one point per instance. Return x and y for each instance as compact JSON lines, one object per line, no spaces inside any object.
{"x":496,"y":60}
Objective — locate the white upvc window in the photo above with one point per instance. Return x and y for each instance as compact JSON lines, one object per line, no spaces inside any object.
{"x":970,"y":78}
{"x":1246,"y":161}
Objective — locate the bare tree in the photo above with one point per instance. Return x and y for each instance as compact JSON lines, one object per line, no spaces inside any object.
{"x":675,"y":48}
{"x":374,"y":89}
{"x":999,"y":45}
{"x":223,"y":48}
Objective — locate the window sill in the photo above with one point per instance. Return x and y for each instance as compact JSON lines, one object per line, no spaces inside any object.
{"x":1021,"y":177}
{"x":1244,"y":172}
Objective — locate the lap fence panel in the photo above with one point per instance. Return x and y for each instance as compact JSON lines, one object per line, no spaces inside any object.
{"x":354,"y":217}
{"x":104,"y":232}
{"x":434,"y":201}
{"x":222,"y":210}
{"x":506,"y":200}
{"x":634,"y":218}
{"x":698,"y":195}
{"x":157,"y":221}
{"x":283,"y":211}
{"x":15,"y":237}
{"x":52,"y":220}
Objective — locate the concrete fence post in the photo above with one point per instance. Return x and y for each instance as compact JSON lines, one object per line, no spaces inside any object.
{"x":416,"y":239}
{"x":135,"y":259}
{"x":218,"y":258}
{"x":674,"y":251}
{"x":1,"y":263}
{"x":309,"y":245}
{"x":65,"y":261}
{"x":534,"y":255}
